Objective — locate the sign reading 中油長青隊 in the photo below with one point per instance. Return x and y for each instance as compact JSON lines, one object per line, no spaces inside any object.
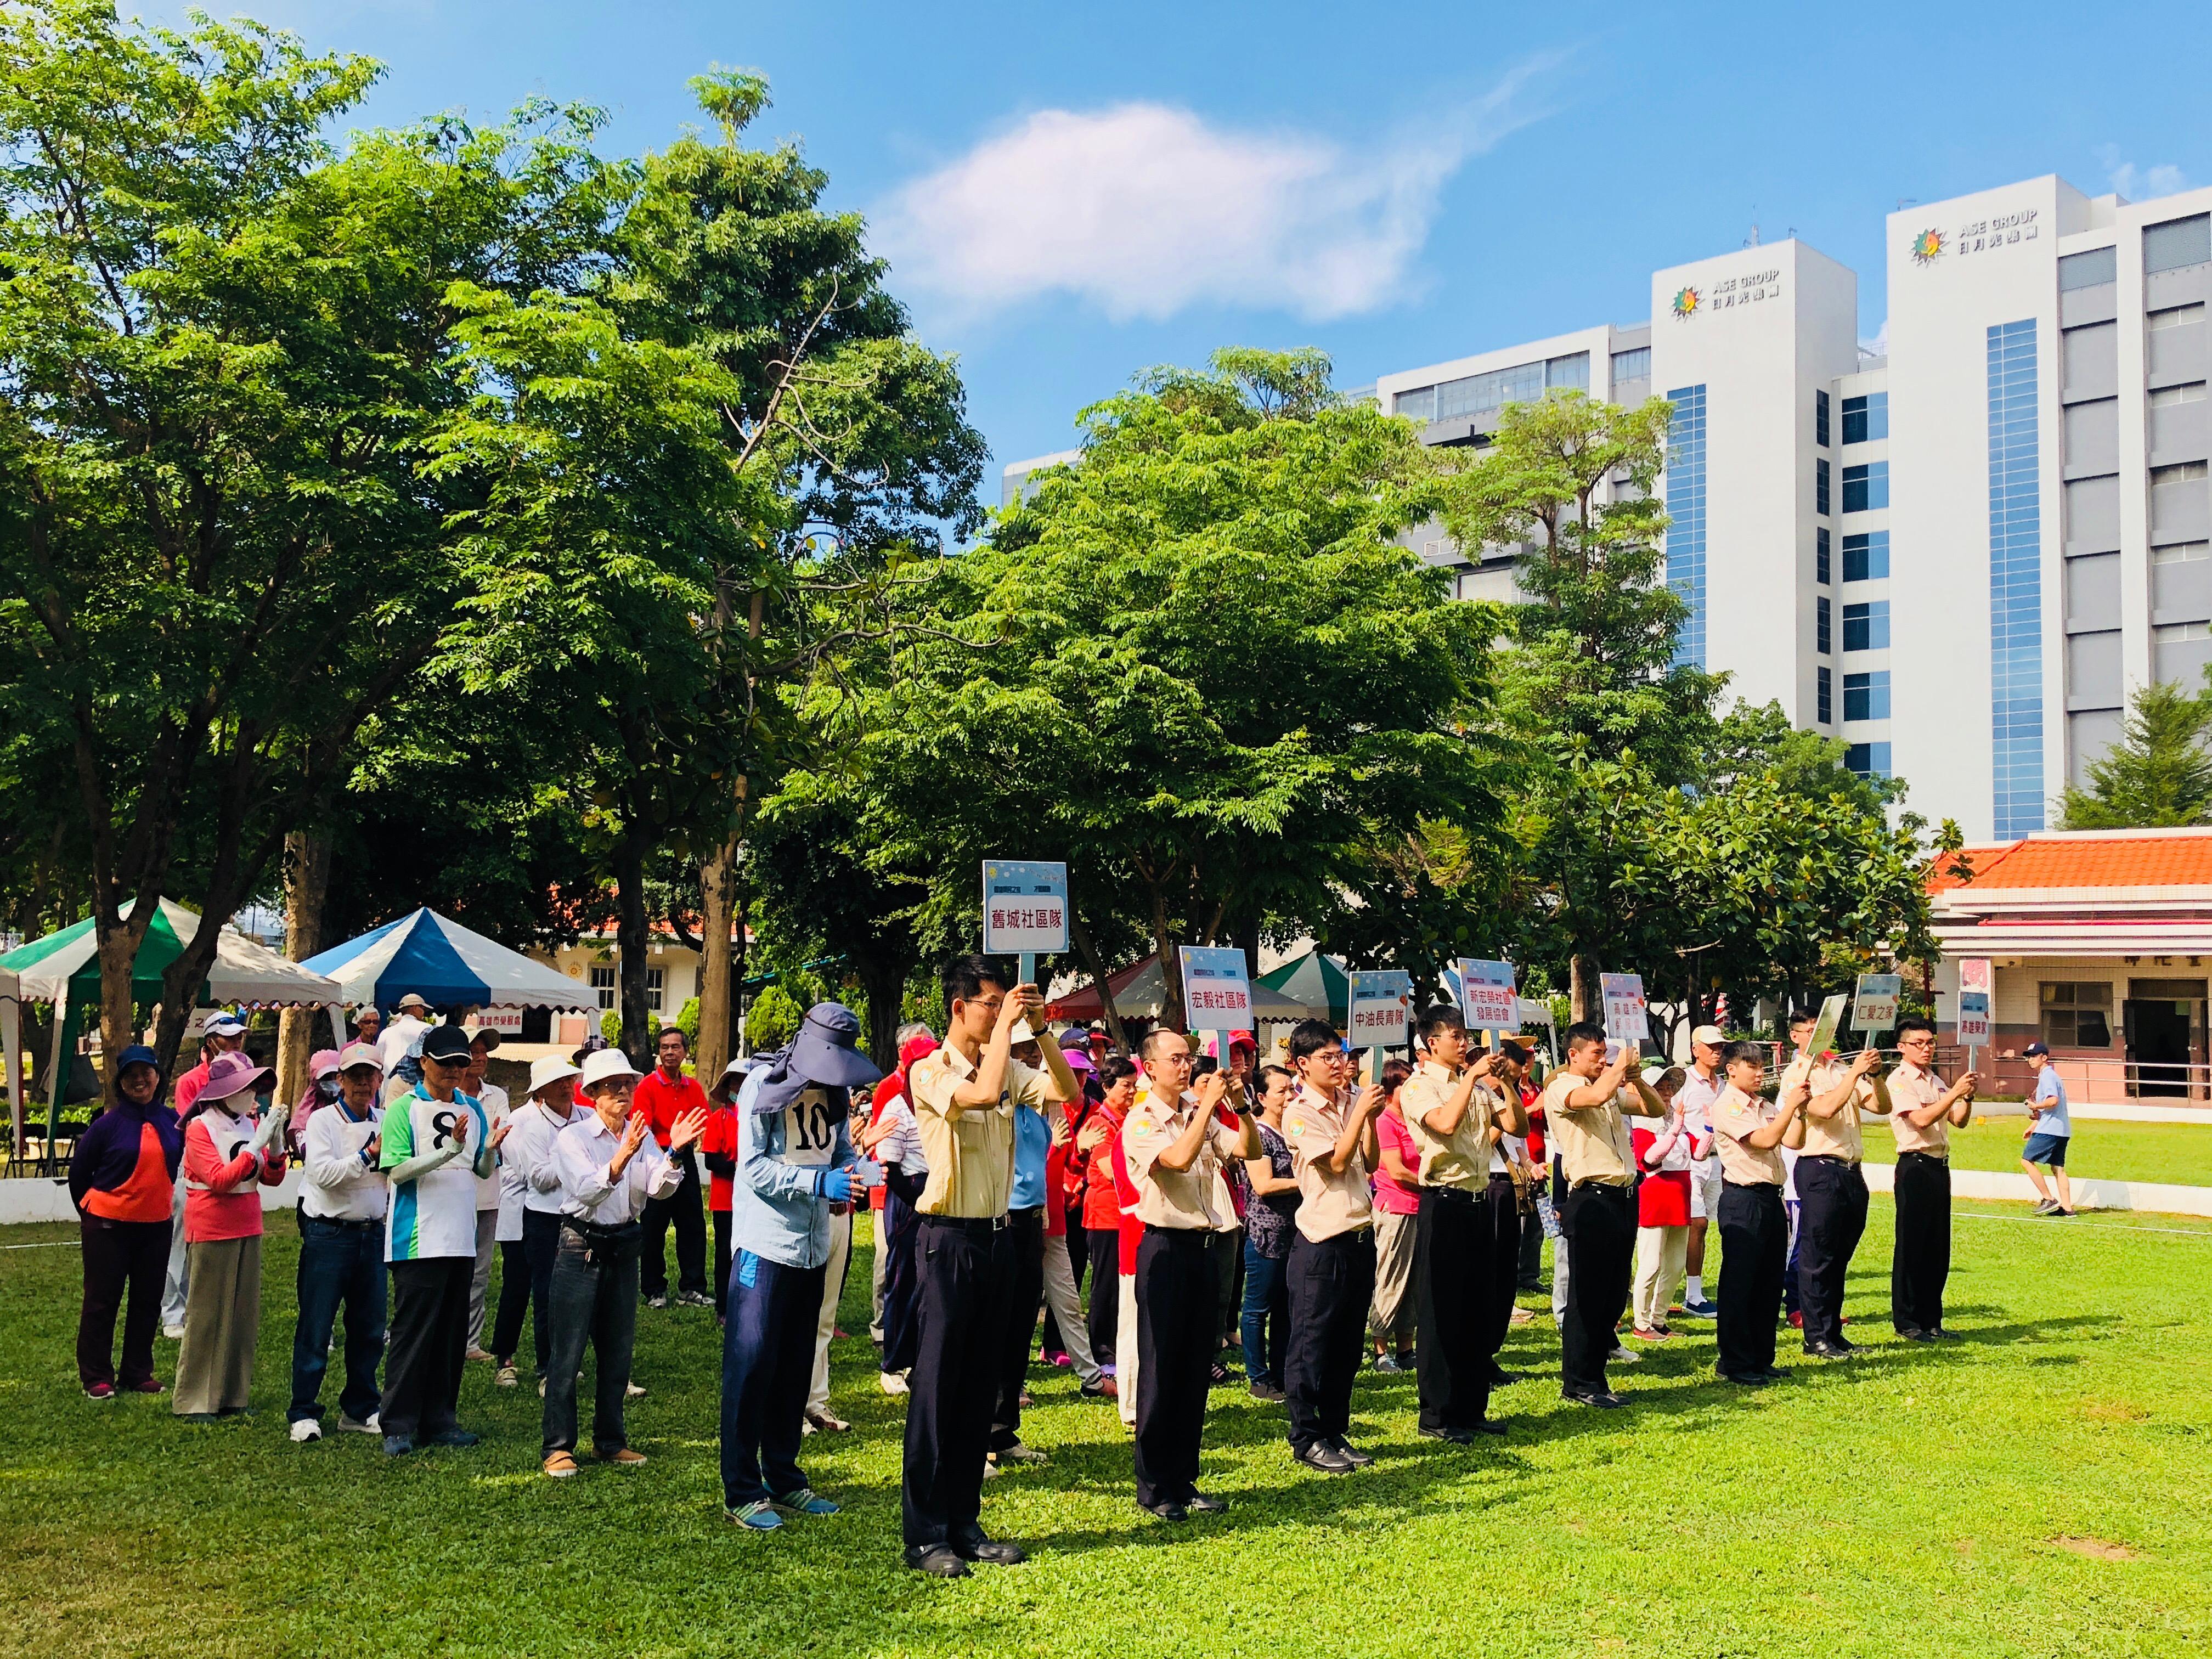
{"x":1381,"y":1008}
{"x":1873,"y":1008}
{"x":1024,"y":908}
{"x":1217,"y":990}
{"x":1627,"y":1018}
{"x":1488,"y":998}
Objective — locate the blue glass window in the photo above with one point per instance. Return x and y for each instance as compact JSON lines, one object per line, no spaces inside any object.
{"x":1685,"y":515}
{"x":1866,"y":558}
{"x":1634,"y":364}
{"x":1866,"y":487}
{"x":1866,"y":418}
{"x":2015,"y":583}
{"x":1866,"y":627}
{"x":1820,"y":562}
{"x":1820,"y":419}
{"x":1824,"y":639}
{"x":1866,"y":697}
{"x":1824,"y":695}
{"x":1820,"y":486}
{"x":1869,"y":760}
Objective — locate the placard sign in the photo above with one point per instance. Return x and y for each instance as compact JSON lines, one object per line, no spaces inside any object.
{"x":1381,"y":1008}
{"x":1488,"y":1000}
{"x":1875,"y":1007}
{"x":1024,"y":908}
{"x":1216,"y":994}
{"x":1626,"y":1018}
{"x":1976,"y":984}
{"x":1824,"y":1028}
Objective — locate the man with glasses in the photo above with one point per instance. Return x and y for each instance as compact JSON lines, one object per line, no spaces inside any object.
{"x":1700,"y":1089}
{"x":436,"y":1146}
{"x":1174,"y":1147}
{"x":1922,"y":1114}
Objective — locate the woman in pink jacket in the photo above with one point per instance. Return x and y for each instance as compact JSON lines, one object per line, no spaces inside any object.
{"x":233,"y":1146}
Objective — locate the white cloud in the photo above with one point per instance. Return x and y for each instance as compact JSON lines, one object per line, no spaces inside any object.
{"x":1878,"y":346}
{"x":1144,"y":210}
{"x":2140,"y":184}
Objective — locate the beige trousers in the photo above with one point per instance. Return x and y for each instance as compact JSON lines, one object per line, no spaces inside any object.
{"x":223,"y":1321}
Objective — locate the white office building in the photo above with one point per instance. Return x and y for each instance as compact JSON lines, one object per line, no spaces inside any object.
{"x":1958,"y":558}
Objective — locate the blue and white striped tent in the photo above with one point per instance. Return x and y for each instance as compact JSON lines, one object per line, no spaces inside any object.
{"x":445,"y":964}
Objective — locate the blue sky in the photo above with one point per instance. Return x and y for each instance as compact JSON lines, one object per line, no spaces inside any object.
{"x":1071,"y":193}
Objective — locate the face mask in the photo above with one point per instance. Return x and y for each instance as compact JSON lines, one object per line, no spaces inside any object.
{"x":327,"y":1087}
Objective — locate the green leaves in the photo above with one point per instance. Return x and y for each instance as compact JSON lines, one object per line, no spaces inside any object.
{"x":2160,"y":773}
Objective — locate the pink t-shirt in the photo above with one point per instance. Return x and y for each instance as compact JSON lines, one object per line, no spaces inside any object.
{"x":1392,"y":1195}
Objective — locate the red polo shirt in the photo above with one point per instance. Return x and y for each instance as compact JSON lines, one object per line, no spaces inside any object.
{"x":660,"y":1103}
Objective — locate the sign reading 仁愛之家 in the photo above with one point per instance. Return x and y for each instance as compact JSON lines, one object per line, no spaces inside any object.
{"x":1217,"y":990}
{"x":1873,"y":1008}
{"x":1488,"y":998}
{"x":1024,"y":908}
{"x":1381,"y":1008}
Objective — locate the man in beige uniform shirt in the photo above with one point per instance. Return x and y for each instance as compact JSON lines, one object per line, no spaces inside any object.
{"x":1449,"y":1112}
{"x":1749,"y":1132}
{"x":1582,"y":1105}
{"x":1174,"y":1144}
{"x":964,"y":1107}
{"x":1331,"y":1271}
{"x":1831,"y":1191}
{"x":1921,"y":1115}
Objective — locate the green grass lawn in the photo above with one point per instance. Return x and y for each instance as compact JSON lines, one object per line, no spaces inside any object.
{"x":2180,"y":1153}
{"x":2039,"y":1488}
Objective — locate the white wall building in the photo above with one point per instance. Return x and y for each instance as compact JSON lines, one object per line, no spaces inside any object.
{"x":1959,"y":558}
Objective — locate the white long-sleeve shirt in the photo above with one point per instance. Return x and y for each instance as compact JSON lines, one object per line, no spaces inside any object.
{"x":340,"y":1184}
{"x":529,"y":1177}
{"x":584,"y":1155}
{"x":489,"y":1188}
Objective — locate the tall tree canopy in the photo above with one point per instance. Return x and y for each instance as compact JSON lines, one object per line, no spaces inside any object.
{"x":2158,"y":775}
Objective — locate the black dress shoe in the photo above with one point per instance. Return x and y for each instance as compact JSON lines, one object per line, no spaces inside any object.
{"x":1200,"y":1502}
{"x":1170,"y":1510}
{"x":1775,"y":1374}
{"x":938,"y":1560}
{"x":1828,"y":1351}
{"x":1744,"y":1379}
{"x":1486,"y":1426}
{"x":1326,"y":1458}
{"x":1359,"y":1458}
{"x":991,"y":1552}
{"x":1844,"y":1343}
{"x":1450,"y":1437}
{"x":1602,"y":1399}
{"x":1270,"y":1392}
{"x":1502,"y":1378}
{"x":1912,"y":1333}
{"x":1945,"y":1333}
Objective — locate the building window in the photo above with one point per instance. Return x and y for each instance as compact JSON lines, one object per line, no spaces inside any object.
{"x":1866,"y":627}
{"x":1419,"y":404}
{"x":2177,"y":243}
{"x":1866,"y":558}
{"x":2015,"y":582}
{"x":1866,"y":489}
{"x":1824,"y":695}
{"x":652,"y":984}
{"x":2177,"y":316}
{"x":1685,"y":518}
{"x":1820,"y":486}
{"x":1866,"y":697}
{"x":1820,"y":419}
{"x":1823,"y":634}
{"x":602,"y":983}
{"x":1477,"y":394}
{"x":2167,"y":396}
{"x":2076,"y":1015}
{"x":2091,"y":269}
{"x":1634,"y":365}
{"x":1571,"y":371}
{"x":2188,"y":472}
{"x":1867,"y":760}
{"x":1866,"y":419}
{"x":1820,"y":565}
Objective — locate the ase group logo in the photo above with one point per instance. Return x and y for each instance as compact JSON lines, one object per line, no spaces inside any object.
{"x":1686,"y":301}
{"x":1927,"y":247}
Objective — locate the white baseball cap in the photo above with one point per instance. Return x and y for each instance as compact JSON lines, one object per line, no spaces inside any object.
{"x":360,"y":1054}
{"x":605,"y":1064}
{"x":549,"y":1071}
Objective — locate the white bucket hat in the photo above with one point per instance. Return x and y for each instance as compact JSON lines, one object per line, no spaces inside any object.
{"x":605,"y":1064}
{"x":549,"y":1071}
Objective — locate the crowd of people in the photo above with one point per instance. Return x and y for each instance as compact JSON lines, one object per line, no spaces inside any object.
{"x":1292,"y":1219}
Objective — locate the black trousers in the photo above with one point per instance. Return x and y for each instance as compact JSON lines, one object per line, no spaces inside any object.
{"x":1105,"y":1310}
{"x":1332,"y":1287}
{"x":1598,"y":1224}
{"x":683,"y":1207}
{"x":1922,"y":1260}
{"x":429,"y":1335}
{"x":1532,"y":1253}
{"x":514,"y":1298}
{"x":1502,"y":1210}
{"x":541,"y":1242}
{"x":1175,"y":1292}
{"x":1024,"y":1292}
{"x":1832,"y":1216}
{"x":767,"y":1360}
{"x":121,"y":1257}
{"x":721,"y":1220}
{"x":901,"y":1232}
{"x":594,"y":1301}
{"x":961,"y":1273}
{"x":1451,"y":1307}
{"x":1754,"y":1254}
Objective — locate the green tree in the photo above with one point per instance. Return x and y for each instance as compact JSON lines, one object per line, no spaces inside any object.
{"x":2160,"y":773}
{"x":1195,"y":665}
{"x":1750,"y":740}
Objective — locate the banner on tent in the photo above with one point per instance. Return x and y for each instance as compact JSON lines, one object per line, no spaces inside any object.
{"x":1381,"y":1008}
{"x":508,"y":1022}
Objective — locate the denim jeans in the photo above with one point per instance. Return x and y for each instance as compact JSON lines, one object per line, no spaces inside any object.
{"x":1265,"y":1317}
{"x":592,"y":1298}
{"x":338,"y":1262}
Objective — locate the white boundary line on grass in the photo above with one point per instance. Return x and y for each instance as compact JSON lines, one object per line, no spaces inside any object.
{"x":1964,"y":1215}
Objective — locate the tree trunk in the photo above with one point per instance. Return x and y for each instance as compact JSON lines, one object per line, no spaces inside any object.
{"x":1583,"y":985}
{"x":631,"y":940}
{"x":739,"y":952}
{"x":1079,"y":936}
{"x":119,"y":957}
{"x":719,"y":911}
{"x":1172,"y":1017}
{"x":883,"y":978}
{"x":306,"y":881}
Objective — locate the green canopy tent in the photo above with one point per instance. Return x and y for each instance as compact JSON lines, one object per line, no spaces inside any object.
{"x":63,"y":968}
{"x":1317,"y":983}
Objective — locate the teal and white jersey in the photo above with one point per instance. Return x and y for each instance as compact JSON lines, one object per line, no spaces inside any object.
{"x":434,"y":1214}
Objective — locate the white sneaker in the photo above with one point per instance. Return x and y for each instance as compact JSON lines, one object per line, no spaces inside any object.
{"x":631,"y":1391}
{"x":307,"y":1429}
{"x":893,"y":1383}
{"x":507,"y":1376}
{"x":373,"y":1425}
{"x":1623,"y":1357}
{"x":174,"y":1333}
